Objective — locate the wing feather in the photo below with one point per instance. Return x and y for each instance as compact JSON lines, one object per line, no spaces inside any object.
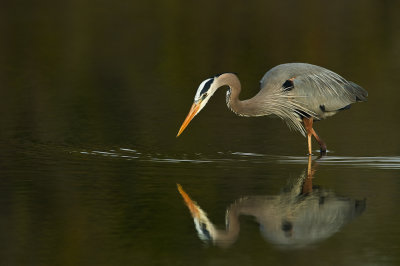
{"x":325,"y":92}
{"x":317,"y":92}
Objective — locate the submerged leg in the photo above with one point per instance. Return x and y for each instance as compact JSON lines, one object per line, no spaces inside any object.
{"x":307,"y":185}
{"x":311,"y":169}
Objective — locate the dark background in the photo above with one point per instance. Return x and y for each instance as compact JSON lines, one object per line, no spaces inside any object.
{"x":126,"y":72}
{"x":92,"y":94}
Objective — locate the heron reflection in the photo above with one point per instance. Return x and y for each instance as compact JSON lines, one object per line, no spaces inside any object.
{"x":301,"y":215}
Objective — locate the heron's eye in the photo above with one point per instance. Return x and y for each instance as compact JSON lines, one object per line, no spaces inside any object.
{"x":203,"y":96}
{"x":206,"y":85}
{"x":288,"y":85}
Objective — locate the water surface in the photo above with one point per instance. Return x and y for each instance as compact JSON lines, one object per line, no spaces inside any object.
{"x":64,"y":204}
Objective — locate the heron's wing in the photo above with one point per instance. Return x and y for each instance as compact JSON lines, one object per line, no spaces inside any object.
{"x":325,"y":92}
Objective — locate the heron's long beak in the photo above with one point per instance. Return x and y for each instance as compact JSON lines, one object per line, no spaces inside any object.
{"x":194,"y":209}
{"x":193,"y":111}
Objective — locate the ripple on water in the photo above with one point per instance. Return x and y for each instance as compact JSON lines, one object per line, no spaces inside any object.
{"x":377,"y":162}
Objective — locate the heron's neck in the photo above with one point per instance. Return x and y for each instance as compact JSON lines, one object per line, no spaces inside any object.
{"x":225,"y":238}
{"x":243,"y":108}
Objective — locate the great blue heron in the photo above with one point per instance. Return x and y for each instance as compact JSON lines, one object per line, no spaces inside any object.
{"x":301,"y":215}
{"x":298,"y":93}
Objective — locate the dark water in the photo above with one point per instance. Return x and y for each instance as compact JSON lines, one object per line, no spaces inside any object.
{"x":92,"y":95}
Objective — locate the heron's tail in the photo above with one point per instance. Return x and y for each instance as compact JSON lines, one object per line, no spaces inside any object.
{"x":360,"y":93}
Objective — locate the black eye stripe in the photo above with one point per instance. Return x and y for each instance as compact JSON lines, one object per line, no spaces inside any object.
{"x":205,"y":231}
{"x":206,"y":86}
{"x":288,"y":85}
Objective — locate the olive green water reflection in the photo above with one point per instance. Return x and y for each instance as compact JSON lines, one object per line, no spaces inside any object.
{"x":92,"y":95}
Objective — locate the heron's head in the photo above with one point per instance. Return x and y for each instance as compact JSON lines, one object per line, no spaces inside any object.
{"x":206,"y":89}
{"x":205,"y":228}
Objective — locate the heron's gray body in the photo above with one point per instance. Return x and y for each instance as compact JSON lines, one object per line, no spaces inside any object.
{"x":317,"y":89}
{"x":295,"y":90}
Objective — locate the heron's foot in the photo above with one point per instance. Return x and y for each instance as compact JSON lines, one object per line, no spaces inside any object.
{"x":322,"y":146}
{"x":323,"y":149}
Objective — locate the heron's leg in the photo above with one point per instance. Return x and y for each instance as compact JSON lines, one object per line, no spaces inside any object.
{"x":321,"y":143}
{"x":309,"y":144}
{"x":308,"y":122}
